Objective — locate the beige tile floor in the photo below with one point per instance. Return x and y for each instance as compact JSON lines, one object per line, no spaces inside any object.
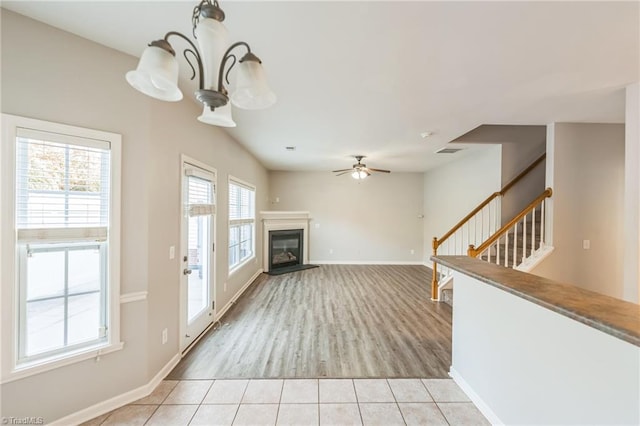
{"x":300,"y":402}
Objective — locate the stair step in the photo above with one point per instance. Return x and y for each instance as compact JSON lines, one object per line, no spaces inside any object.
{"x":447,"y":296}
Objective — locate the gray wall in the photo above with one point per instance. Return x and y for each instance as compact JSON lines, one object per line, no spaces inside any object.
{"x":55,"y":76}
{"x":373,"y":220}
{"x":585,"y":168}
{"x":515,"y":158}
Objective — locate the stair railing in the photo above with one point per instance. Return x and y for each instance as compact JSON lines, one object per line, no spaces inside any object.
{"x":475,"y":228}
{"x":519,"y":240}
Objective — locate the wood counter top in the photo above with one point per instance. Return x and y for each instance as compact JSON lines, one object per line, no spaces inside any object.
{"x":612,"y":316}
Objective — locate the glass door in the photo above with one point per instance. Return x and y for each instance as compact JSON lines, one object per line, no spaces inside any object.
{"x":197,"y":302}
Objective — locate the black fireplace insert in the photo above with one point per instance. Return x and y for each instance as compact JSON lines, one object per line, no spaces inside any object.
{"x":285,"y":248}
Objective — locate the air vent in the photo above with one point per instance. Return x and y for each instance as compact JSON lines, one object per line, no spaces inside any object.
{"x":290,"y":148}
{"x":448,"y":150}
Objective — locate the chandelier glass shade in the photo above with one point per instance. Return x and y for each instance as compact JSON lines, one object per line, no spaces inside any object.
{"x":156,"y":75}
{"x":212,"y":60}
{"x":252,"y":90}
{"x":220,"y":116}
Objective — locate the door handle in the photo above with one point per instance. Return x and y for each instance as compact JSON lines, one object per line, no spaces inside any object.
{"x":187,"y":271}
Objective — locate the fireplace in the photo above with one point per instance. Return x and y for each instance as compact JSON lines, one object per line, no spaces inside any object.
{"x":286,"y":222}
{"x":285,"y":248}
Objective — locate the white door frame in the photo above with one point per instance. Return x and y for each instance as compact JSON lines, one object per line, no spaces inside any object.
{"x":184,"y":341}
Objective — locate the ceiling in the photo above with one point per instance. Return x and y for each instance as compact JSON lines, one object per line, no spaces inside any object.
{"x":367,"y":77}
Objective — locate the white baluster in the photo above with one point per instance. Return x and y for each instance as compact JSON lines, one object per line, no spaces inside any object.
{"x":455,"y":240}
{"x":524,"y":238}
{"x":515,"y":245}
{"x":506,"y":249}
{"x":498,"y":251}
{"x":542,"y":232}
{"x":533,"y":231}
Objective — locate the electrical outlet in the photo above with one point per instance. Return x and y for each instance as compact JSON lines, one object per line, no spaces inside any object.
{"x":330,"y":251}
{"x":317,"y":225}
{"x":586,"y":244}
{"x":165,"y":336}
{"x":413,"y":251}
{"x":224,"y":287}
{"x":172,"y":252}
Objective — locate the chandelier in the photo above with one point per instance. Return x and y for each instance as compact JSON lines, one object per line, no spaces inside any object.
{"x":157,"y":71}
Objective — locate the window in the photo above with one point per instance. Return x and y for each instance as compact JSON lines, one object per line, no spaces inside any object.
{"x":242,"y":222}
{"x":66,"y":239}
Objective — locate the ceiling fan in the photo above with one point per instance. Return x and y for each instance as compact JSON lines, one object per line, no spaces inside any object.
{"x":359,"y":170}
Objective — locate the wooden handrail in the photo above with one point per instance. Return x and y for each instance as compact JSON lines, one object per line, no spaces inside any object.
{"x":523,"y":174}
{"x":438,"y":241}
{"x":473,"y":252}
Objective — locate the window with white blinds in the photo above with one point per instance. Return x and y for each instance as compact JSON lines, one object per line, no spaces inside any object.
{"x":66,"y":273}
{"x":62,"y":185}
{"x":199,"y":193}
{"x":241,"y":222}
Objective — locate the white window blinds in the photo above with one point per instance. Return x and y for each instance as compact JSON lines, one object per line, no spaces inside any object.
{"x":200,"y":193}
{"x":241,"y":223}
{"x":62,"y":187}
{"x":241,"y":202}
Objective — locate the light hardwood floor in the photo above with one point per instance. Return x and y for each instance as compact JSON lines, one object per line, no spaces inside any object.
{"x":333,"y":321}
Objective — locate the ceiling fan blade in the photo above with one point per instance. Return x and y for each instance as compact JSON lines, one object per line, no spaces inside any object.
{"x":379,"y":170}
{"x":343,"y":170}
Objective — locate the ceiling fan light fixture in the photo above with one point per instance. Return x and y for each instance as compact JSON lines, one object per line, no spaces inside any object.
{"x":359,"y":170}
{"x":359,"y":174}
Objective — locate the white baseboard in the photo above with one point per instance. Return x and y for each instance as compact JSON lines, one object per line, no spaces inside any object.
{"x":233,"y":300}
{"x":119,"y":400}
{"x":366,"y":262}
{"x":482,"y":406}
{"x":144,"y":390}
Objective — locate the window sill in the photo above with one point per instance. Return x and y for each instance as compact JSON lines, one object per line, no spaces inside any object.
{"x":41,"y":366}
{"x":241,"y":265}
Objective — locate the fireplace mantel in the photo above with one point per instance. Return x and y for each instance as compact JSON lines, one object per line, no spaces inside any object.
{"x":284,"y":220}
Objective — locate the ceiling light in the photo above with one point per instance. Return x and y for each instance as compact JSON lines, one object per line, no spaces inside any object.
{"x":157,"y":71}
{"x":359,"y":174}
{"x":425,"y":135}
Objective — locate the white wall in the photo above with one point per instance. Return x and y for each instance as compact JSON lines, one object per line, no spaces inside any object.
{"x":585,"y":168}
{"x":53,"y":75}
{"x":454,"y":189}
{"x":631,"y":290}
{"x":526,"y":365}
{"x":373,"y":220}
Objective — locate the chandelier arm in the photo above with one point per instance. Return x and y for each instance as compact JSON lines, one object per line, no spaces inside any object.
{"x":186,"y":58}
{"x":227,"y":55}
{"x":195,"y":53}
{"x":226,"y":76}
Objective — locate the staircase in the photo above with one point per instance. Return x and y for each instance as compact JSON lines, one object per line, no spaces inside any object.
{"x":519,"y":244}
